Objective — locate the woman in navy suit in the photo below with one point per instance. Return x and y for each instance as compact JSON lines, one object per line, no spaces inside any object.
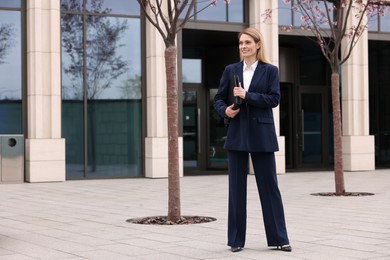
{"x":251,"y":130}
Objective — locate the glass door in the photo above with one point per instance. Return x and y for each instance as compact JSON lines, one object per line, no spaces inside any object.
{"x":313,"y":134}
{"x":194,"y":125}
{"x":217,"y":157}
{"x":191,"y":124}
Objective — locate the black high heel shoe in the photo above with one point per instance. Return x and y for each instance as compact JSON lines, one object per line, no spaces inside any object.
{"x":235,"y":249}
{"x":285,"y":248}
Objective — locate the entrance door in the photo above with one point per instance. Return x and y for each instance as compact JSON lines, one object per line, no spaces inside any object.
{"x":203,"y":131}
{"x":313,"y":128}
{"x":193,"y":126}
{"x":306,"y":124}
{"x":205,"y":54}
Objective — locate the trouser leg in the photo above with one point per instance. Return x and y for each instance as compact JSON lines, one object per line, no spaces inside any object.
{"x":270,"y":197}
{"x":238,"y":172}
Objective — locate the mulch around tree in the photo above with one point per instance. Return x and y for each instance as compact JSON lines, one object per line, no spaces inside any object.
{"x":346,"y":194}
{"x":163,"y":220}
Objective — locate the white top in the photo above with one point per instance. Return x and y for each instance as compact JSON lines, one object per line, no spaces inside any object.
{"x":248,"y":72}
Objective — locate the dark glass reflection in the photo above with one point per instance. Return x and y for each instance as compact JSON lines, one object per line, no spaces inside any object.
{"x":379,"y":82}
{"x":128,"y":7}
{"x":312,"y":128}
{"x":72,"y":131}
{"x":286,"y":123}
{"x":190,"y":128}
{"x":313,"y":67}
{"x":10,"y":3}
{"x":114,"y":138}
{"x":10,"y":73}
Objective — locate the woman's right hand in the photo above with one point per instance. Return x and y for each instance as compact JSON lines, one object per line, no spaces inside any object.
{"x":230,"y":112}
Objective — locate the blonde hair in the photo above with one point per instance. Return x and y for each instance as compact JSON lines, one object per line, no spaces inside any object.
{"x":258,"y":38}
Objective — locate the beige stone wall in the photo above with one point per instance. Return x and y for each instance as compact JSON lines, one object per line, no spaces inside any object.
{"x":45,"y":149}
{"x":358,"y":145}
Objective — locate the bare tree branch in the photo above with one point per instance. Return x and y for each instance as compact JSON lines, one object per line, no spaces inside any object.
{"x":358,"y":31}
{"x":188,"y":16}
{"x":316,"y":32}
{"x":155,"y":23}
{"x":167,"y":25}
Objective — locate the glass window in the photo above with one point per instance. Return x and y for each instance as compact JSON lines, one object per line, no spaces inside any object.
{"x":320,"y":17}
{"x":111,"y":112}
{"x":373,"y":24}
{"x":190,"y":128}
{"x":232,"y":12}
{"x":385,"y":22}
{"x":72,"y":5}
{"x":379,"y":94}
{"x":284,"y":14}
{"x":73,"y":94}
{"x":113,"y":7}
{"x":235,"y":11}
{"x":113,"y":63}
{"x":184,"y":13}
{"x":10,"y":3}
{"x":312,"y":67}
{"x":312,"y":128}
{"x":72,"y":57}
{"x":192,"y":70}
{"x":10,"y":72}
{"x":379,"y":23}
{"x":212,"y":13}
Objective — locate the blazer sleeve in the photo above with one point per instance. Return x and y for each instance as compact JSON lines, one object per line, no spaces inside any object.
{"x":269,"y":94}
{"x":222,"y":96}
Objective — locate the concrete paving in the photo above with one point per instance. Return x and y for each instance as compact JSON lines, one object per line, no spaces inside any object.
{"x":87,"y":219}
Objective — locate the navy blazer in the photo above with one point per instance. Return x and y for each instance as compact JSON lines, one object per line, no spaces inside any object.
{"x":253,"y":129}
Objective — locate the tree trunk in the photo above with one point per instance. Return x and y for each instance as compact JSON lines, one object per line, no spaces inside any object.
{"x":338,"y":146}
{"x":174,"y":213}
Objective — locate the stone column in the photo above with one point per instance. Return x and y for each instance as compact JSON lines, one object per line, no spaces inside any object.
{"x":156,"y":141}
{"x":358,"y":145}
{"x":270,"y":32}
{"x":45,"y":149}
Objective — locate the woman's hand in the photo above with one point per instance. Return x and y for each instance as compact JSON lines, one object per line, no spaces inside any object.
{"x":239,"y":92}
{"x":230,"y":112}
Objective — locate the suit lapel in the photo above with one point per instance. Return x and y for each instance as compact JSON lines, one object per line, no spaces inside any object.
{"x":238,"y":70}
{"x":257,"y":76}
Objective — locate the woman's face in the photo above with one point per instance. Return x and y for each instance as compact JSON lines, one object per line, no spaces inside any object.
{"x":248,"y":47}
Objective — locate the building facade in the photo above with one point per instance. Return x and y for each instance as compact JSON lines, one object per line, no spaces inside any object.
{"x":84,"y":82}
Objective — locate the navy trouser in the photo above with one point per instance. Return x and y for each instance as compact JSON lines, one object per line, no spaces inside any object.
{"x":270,"y":198}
